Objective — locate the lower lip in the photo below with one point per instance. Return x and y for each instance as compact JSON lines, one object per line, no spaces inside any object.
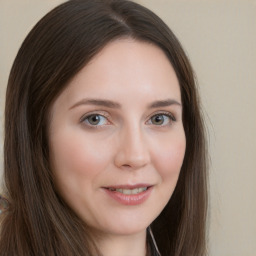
{"x":135,"y":199}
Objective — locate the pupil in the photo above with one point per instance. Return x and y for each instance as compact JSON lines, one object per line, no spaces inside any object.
{"x":158,"y":119}
{"x":94,"y":119}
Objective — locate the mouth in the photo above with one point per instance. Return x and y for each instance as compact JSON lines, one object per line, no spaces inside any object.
{"x":133,"y":191}
{"x":129,"y":195}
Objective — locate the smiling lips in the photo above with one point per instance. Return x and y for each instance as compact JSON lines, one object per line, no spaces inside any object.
{"x":129,"y":191}
{"x":129,"y":195}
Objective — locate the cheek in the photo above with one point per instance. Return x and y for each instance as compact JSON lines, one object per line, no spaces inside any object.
{"x":77,"y":161}
{"x":168,"y":158}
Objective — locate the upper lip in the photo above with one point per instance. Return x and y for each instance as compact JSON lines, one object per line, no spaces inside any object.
{"x":129,"y":186}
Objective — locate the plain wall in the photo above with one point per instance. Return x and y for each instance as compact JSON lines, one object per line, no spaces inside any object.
{"x":220,"y":39}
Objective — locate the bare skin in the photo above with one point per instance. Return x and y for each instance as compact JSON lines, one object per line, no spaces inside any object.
{"x":117,"y":143}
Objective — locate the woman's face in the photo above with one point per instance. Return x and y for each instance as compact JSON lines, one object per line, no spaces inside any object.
{"x":116,"y":138}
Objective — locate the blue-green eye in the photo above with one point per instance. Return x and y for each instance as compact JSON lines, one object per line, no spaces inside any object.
{"x":162,"y":119}
{"x":95,"y":120}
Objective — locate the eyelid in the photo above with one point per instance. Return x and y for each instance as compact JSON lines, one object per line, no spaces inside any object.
{"x":108,"y":117}
{"x":99,"y":113}
{"x":165,"y":113}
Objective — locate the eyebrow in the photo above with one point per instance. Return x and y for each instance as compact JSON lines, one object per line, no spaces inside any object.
{"x":112,"y":104}
{"x":163,"y":103}
{"x":97,"y":102}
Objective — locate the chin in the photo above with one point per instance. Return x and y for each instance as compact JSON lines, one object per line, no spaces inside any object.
{"x":127,"y":227}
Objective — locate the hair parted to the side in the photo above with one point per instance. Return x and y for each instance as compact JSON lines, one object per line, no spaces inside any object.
{"x":38,"y":222}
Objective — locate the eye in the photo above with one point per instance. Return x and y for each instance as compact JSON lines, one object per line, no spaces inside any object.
{"x":162,"y":119}
{"x":94,"y":120}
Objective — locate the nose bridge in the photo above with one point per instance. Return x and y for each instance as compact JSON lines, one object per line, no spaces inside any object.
{"x":133,"y":149}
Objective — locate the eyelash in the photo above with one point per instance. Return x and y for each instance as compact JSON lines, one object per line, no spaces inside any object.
{"x":85,"y":118}
{"x":166,"y":114}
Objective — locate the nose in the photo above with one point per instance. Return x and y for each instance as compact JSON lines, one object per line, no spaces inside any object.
{"x":133,"y":152}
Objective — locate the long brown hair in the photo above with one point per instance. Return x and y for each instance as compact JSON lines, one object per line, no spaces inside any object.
{"x":38,"y":222}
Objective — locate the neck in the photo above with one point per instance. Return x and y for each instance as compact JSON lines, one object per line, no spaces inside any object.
{"x":125,"y":245}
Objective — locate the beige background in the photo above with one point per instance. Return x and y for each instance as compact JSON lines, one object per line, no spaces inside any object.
{"x":220,"y":38}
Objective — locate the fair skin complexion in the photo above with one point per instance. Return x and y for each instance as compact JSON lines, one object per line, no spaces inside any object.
{"x":118,"y":125}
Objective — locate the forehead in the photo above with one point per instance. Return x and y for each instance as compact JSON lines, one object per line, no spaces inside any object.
{"x":126,"y":68}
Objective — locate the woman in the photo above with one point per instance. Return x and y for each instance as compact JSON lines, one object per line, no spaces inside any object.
{"x":104,"y":141}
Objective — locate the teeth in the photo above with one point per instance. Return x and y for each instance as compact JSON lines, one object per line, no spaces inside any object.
{"x":129,"y":191}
